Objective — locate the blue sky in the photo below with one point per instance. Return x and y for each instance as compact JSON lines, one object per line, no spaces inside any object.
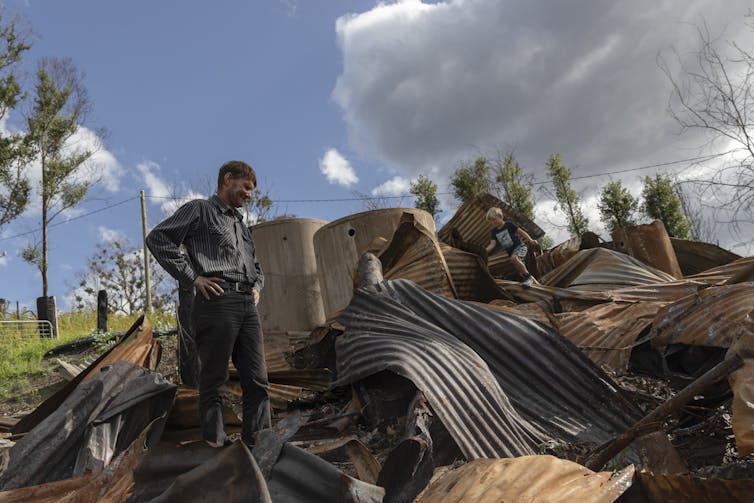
{"x":330,"y":97}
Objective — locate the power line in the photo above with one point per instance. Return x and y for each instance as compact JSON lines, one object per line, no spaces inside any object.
{"x":98,"y":210}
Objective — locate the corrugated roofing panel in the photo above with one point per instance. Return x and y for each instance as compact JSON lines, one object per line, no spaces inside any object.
{"x":529,"y":478}
{"x":437,"y":342}
{"x":711,"y":317}
{"x":607,"y":332}
{"x":470,"y":220}
{"x":695,"y":256}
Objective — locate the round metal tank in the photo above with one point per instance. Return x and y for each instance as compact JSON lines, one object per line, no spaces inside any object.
{"x":291,"y":299}
{"x":339,"y":244}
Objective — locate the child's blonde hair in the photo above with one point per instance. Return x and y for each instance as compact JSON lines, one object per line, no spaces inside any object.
{"x":494,"y":213}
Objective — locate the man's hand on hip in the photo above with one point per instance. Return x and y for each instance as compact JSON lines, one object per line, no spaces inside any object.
{"x":209,"y":285}
{"x":255,"y":293}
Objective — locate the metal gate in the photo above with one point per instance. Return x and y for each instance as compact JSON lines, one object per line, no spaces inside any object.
{"x":25,"y":329}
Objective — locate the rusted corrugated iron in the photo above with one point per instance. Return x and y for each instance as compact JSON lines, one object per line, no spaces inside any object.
{"x":724,"y":273}
{"x":470,"y":220}
{"x":413,"y":253}
{"x":528,"y":478}
{"x":600,"y":269}
{"x":137,"y":346}
{"x":711,"y":317}
{"x":558,"y":255}
{"x":470,"y":275}
{"x":540,"y":312}
{"x":742,"y":383}
{"x":696,"y":256}
{"x":424,"y":337}
{"x":96,"y":422}
{"x":607,"y":333}
{"x":661,"y":488}
{"x":649,"y":243}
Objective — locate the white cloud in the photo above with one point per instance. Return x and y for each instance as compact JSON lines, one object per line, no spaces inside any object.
{"x":159,"y":190}
{"x":396,"y":186}
{"x":4,"y":258}
{"x":337,"y":169}
{"x":108,"y":235}
{"x":431,"y":84}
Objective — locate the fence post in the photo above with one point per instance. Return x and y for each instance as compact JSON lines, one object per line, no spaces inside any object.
{"x":46,"y":311}
{"x":102,"y":311}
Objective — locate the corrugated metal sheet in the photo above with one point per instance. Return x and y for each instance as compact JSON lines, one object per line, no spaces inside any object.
{"x":470,"y":276}
{"x":438,"y":342}
{"x":723,"y":273}
{"x":600,"y":269}
{"x":711,"y":317}
{"x":529,"y":478}
{"x":606,"y":333}
{"x":535,"y":311}
{"x":742,"y":383}
{"x":660,"y":488}
{"x":695,"y":257}
{"x":470,"y":220}
{"x":414,"y":254}
{"x":649,"y":243}
{"x":558,"y":255}
{"x":137,"y":346}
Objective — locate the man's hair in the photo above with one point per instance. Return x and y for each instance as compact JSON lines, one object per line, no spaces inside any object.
{"x":494,"y":213}
{"x":237,"y":169}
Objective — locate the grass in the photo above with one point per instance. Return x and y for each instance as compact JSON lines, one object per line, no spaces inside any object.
{"x":21,"y":355}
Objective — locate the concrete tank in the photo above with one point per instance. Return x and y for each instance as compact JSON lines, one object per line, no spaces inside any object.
{"x":291,"y":299}
{"x":339,"y":244}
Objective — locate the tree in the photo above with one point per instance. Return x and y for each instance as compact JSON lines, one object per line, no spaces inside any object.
{"x":118,"y":268}
{"x":513,"y":187}
{"x":715,"y":97}
{"x":426,"y":195}
{"x":14,"y":152}
{"x":568,"y":199}
{"x":471,"y":180}
{"x":617,"y":206}
{"x":60,"y":107}
{"x":661,"y":202}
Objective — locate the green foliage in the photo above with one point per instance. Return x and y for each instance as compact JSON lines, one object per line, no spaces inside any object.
{"x":617,"y":206}
{"x":59,"y":108}
{"x":14,"y":151}
{"x":568,"y":199}
{"x":661,"y":202}
{"x":471,"y":180}
{"x":118,"y":268}
{"x":513,"y":186}
{"x":261,"y":205}
{"x":426,"y":195}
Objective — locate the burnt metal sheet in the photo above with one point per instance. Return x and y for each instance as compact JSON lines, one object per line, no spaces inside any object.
{"x":558,"y":255}
{"x":470,"y":220}
{"x":99,"y":420}
{"x":649,"y":243}
{"x":470,"y":275}
{"x":470,"y":361}
{"x":664,"y":488}
{"x":724,"y":273}
{"x":711,"y":317}
{"x":695,"y":256}
{"x":185,"y":411}
{"x":541,"y":312}
{"x":742,"y":383}
{"x":137,"y":346}
{"x":607,"y":332}
{"x":600,"y":269}
{"x":528,"y":478}
{"x":413,"y":253}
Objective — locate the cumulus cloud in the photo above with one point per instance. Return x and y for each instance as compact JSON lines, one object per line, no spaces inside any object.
{"x":159,"y":190}
{"x":337,"y":169}
{"x":432,"y":84}
{"x":396,"y":186}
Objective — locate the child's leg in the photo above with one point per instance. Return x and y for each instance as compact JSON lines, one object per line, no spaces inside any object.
{"x":519,"y":265}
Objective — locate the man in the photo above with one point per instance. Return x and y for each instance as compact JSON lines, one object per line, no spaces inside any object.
{"x":508,"y":235}
{"x":220,"y":263}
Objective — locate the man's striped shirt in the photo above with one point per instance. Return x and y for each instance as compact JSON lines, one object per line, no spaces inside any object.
{"x":217,"y":244}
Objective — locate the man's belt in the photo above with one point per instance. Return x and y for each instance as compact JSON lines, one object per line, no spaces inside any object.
{"x":236,"y":286}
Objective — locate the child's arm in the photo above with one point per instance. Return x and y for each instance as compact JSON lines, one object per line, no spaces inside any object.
{"x":491,"y":246}
{"x":525,"y":236}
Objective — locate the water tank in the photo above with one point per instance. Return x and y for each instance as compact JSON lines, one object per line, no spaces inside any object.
{"x":339,"y":244}
{"x":291,"y":299}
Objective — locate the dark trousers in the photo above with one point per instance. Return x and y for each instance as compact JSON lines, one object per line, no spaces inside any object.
{"x":224,"y":326}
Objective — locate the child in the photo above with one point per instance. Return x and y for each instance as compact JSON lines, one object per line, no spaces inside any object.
{"x":509,"y":236}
